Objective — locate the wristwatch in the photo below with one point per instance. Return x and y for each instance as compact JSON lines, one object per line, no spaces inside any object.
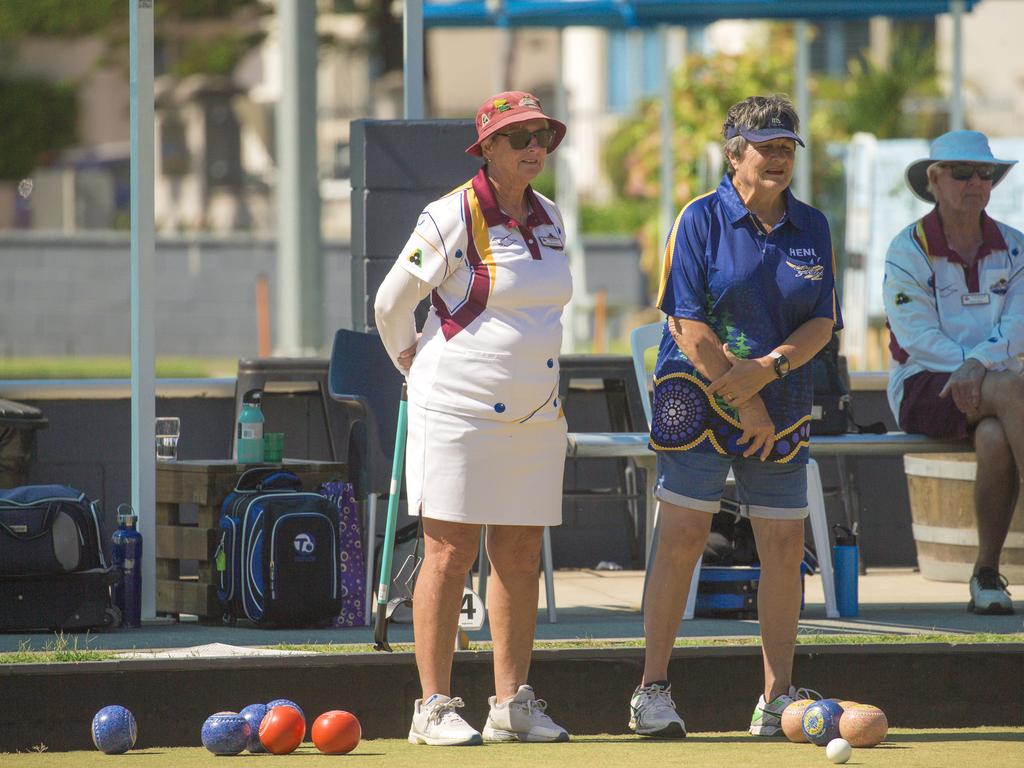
{"x":781,"y":364}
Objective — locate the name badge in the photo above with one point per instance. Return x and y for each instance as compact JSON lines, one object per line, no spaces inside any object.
{"x":550,"y":241}
{"x":975,"y":299}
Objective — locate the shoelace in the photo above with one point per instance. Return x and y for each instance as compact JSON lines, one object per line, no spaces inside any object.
{"x":535,"y":707}
{"x":655,"y":693}
{"x":807,"y":693}
{"x":445,"y":710}
{"x":990,"y":579}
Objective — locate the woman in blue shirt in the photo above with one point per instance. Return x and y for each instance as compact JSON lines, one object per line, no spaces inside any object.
{"x":748,"y":290}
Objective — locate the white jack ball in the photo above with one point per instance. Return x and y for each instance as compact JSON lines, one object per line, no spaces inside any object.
{"x":838,"y":750}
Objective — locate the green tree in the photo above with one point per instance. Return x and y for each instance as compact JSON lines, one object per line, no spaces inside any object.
{"x":37,"y":118}
{"x":703,"y":89}
{"x":901,"y":98}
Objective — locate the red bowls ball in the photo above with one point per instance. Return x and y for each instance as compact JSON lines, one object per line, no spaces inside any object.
{"x":282,"y":730}
{"x":336,"y":732}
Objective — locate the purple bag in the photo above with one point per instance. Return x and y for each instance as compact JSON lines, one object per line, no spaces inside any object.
{"x":351,"y":561}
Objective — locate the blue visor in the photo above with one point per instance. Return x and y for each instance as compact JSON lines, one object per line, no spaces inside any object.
{"x":783,"y":130}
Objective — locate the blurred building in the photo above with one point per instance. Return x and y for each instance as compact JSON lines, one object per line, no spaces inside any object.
{"x":215,"y":136}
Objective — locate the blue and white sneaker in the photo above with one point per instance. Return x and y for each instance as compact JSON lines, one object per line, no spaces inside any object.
{"x":989,"y":594}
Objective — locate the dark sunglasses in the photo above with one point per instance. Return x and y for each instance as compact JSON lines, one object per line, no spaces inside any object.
{"x":964,"y":171}
{"x":521,"y":139}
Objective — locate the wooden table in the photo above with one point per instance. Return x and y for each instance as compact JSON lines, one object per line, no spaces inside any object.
{"x":204,"y":483}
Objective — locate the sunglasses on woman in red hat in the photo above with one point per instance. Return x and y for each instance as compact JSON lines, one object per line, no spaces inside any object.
{"x":521,"y":138}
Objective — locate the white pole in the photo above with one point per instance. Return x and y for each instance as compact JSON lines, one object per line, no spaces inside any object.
{"x":143,"y":346}
{"x":567,"y":198}
{"x":412,"y":31}
{"x":956,"y":96}
{"x":668,"y":179}
{"x":300,"y":303}
{"x":803,"y":105}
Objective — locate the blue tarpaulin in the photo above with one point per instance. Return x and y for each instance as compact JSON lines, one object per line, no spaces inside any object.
{"x":641,"y":13}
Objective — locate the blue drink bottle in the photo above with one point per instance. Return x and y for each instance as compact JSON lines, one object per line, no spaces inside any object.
{"x":845,"y":561}
{"x":127,"y":555}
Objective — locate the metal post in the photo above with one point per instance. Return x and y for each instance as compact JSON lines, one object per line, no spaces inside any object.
{"x":300,"y":305}
{"x":668,"y":178}
{"x":412,"y":31}
{"x":802,"y":182}
{"x":567,"y":198}
{"x":956,"y":96}
{"x":143,"y":294}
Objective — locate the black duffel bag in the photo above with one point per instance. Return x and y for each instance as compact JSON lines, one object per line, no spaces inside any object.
{"x":48,"y":529}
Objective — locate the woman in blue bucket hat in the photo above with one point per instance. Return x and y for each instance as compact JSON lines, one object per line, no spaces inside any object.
{"x":954,"y":297}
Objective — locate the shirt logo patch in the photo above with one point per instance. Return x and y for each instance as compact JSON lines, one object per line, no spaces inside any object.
{"x":813,"y":272}
{"x":999,"y":287}
{"x":505,"y":241}
{"x":416,"y":257}
{"x":803,"y":253}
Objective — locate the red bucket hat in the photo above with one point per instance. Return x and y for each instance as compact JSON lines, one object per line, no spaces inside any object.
{"x":507,"y":108}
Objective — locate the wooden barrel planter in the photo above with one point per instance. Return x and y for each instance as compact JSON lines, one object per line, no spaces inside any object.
{"x":941,"y":487}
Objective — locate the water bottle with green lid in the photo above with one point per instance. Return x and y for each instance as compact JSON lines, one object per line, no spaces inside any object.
{"x":249,"y":440}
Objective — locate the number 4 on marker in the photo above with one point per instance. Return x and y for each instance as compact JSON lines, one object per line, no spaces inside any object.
{"x":472,"y":613}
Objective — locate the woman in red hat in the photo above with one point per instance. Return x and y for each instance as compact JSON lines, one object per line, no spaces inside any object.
{"x":486,"y":441}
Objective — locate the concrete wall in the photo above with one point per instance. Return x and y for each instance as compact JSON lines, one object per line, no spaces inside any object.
{"x":953,"y":686}
{"x":70,"y":296}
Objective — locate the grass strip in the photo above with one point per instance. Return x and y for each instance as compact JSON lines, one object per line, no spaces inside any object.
{"x":113,"y":367}
{"x":75,"y":648}
{"x":697,"y":642}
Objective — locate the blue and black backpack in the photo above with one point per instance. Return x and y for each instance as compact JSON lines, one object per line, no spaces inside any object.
{"x":277,"y":558}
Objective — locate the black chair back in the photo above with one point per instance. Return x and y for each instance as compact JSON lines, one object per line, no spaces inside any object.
{"x":362,"y":375}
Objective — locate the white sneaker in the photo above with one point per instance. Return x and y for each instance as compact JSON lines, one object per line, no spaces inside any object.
{"x":522,"y":718}
{"x":653,"y":713}
{"x":989,"y":594}
{"x":438,"y":724}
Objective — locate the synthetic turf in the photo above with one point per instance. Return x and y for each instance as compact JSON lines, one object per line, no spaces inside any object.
{"x":989,"y":747}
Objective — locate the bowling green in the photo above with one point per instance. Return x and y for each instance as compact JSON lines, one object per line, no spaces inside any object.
{"x":903,"y":748}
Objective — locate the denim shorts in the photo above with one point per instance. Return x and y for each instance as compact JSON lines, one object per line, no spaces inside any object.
{"x":697,"y":480}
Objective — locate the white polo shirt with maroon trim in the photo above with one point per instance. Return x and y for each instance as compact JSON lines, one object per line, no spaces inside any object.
{"x":490,"y":345}
{"x":942,"y":310}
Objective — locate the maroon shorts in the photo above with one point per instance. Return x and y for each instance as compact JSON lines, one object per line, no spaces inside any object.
{"x":923,"y":412}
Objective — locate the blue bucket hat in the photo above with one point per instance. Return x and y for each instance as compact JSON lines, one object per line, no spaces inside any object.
{"x":954,"y":147}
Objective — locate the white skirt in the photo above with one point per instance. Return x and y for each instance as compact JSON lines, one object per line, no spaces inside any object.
{"x":484,"y":472}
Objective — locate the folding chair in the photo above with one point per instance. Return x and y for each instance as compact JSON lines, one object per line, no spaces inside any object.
{"x":648,"y":336}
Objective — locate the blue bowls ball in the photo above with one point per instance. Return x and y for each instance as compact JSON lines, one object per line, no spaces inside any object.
{"x":254,"y":715}
{"x":226,"y":733}
{"x":114,"y":730}
{"x":285,"y":703}
{"x":821,"y":721}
